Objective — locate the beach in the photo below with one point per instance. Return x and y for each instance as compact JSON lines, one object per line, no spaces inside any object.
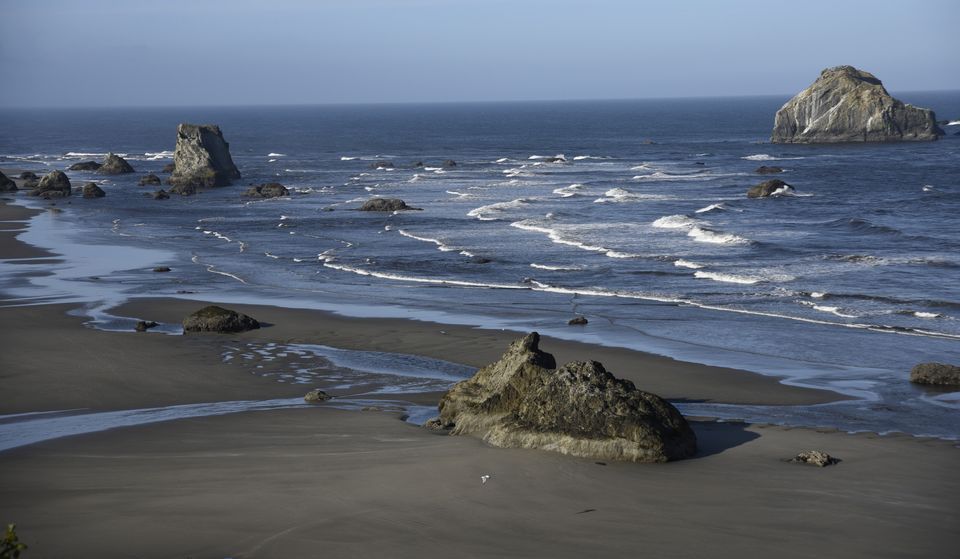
{"x":305,"y":480}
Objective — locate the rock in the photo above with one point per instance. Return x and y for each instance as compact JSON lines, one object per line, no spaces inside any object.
{"x":28,"y":176}
{"x":218,"y":319}
{"x":91,"y":190}
{"x":144,"y":325}
{"x":555,"y":159}
{"x":764,"y":170}
{"x":935,"y":373}
{"x":449,"y":163}
{"x":149,"y":180}
{"x":385,"y":205}
{"x":7,"y":184}
{"x":184,"y":189}
{"x":580,"y":409}
{"x":849,"y":105}
{"x":316,"y":396}
{"x":161,"y":269}
{"x":418,"y":165}
{"x":54,"y":184}
{"x":268,"y":190}
{"x":769,"y":188}
{"x":201,"y":158}
{"x":114,"y":165}
{"x":85,"y":166}
{"x":168,"y":168}
{"x":161,"y":195}
{"x":815,"y":458}
{"x":381,"y":165}
{"x":30,"y":184}
{"x":578,"y":321}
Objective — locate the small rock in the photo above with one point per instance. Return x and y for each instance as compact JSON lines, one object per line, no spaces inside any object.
{"x":449,"y":163}
{"x":85,"y":166}
{"x":935,"y":373}
{"x":765,"y":170}
{"x":578,"y":321}
{"x":555,"y":159}
{"x":316,"y":396}
{"x":418,"y":165}
{"x":184,"y":189}
{"x":168,"y":168}
{"x":769,"y":188}
{"x":161,"y":269}
{"x":218,"y":319}
{"x":385,"y":205}
{"x":114,"y":165}
{"x":91,"y":190}
{"x":382,"y":165}
{"x":161,"y":195}
{"x":815,"y":458}
{"x":28,"y":176}
{"x":149,"y":180}
{"x":144,"y":325}
{"x":267,"y":190}
{"x":436,"y":424}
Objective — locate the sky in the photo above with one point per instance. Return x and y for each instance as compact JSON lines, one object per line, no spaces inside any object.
{"x":96,"y":53}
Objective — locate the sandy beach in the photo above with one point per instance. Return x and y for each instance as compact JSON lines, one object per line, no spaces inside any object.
{"x":316,"y":480}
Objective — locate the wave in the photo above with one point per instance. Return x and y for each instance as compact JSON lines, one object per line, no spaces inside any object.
{"x":586,"y":157}
{"x":556,"y":236}
{"x":568,"y":191}
{"x":272,"y":154}
{"x":482,"y":212}
{"x":711,"y":208}
{"x":558,"y":157}
{"x":767,"y":157}
{"x":681,"y":263}
{"x":347,"y":158}
{"x":837,"y":311}
{"x":502,"y":160}
{"x":556,"y":268}
{"x":460,"y":195}
{"x":440,"y":244}
{"x":953,"y":123}
{"x":155,"y":156}
{"x":727,"y":278}
{"x":87,"y":154}
{"x":675,"y":222}
{"x":416,"y":279}
{"x":701,"y":235}
{"x":619,"y":195}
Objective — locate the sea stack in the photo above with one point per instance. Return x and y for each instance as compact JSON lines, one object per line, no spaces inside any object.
{"x":201,"y":158}
{"x":849,"y":105}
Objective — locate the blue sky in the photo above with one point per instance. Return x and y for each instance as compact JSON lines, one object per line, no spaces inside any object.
{"x":216,"y":52}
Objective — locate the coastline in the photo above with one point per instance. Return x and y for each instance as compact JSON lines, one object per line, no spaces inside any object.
{"x":347,"y":481}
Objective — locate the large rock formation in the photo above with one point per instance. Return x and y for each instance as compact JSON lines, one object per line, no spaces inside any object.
{"x":580,"y":409}
{"x":114,"y":165}
{"x":202,"y":157}
{"x":54,"y":184}
{"x":935,"y":373}
{"x":218,"y":319}
{"x":7,"y":184}
{"x":849,"y":105}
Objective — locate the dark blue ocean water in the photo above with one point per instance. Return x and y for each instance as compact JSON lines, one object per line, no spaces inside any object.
{"x":644,"y":229}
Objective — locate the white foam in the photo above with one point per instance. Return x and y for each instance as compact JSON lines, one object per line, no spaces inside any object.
{"x":435,"y":281}
{"x":347,"y":158}
{"x":483,"y":212}
{"x":714,"y":237}
{"x":921,"y":314}
{"x":86,"y":154}
{"x":568,"y":191}
{"x":272,"y":154}
{"x":727,"y":278}
{"x":440,"y":244}
{"x":559,"y":156}
{"x":502,"y":160}
{"x":583,"y":157}
{"x":711,"y":207}
{"x":675,"y":222}
{"x":556,"y":268}
{"x":953,"y":123}
{"x":154,"y":156}
{"x":818,"y":295}
{"x":619,"y":195}
{"x":767,"y":157}
{"x":681,"y":263}
{"x":928,"y":188}
{"x":836,"y":311}
{"x":556,"y":236}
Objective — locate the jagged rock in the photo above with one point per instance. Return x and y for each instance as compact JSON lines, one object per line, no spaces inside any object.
{"x":161,"y":195}
{"x":849,"y":105}
{"x":7,"y":184}
{"x":769,"y":188}
{"x":91,"y":190}
{"x":184,"y":189}
{"x":385,"y":205}
{"x":449,"y":163}
{"x":201,"y":158}
{"x":161,"y":269}
{"x":144,"y":325}
{"x":418,"y":165}
{"x":316,"y":396}
{"x":28,"y":176}
{"x":382,"y":165}
{"x":114,"y":165}
{"x":580,"y":409}
{"x":168,"y":168}
{"x":54,"y":184}
{"x":815,"y":458}
{"x":218,"y":319}
{"x":578,"y":321}
{"x":765,"y":170}
{"x":268,"y":190}
{"x":149,"y":180}
{"x":935,"y":373}
{"x":85,"y":166}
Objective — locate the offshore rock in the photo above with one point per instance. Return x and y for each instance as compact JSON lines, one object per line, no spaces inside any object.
{"x":316,"y":395}
{"x":161,"y":195}
{"x":935,"y":373}
{"x":769,"y":188}
{"x":268,"y":190}
{"x":7,"y":184}
{"x":201,"y":158}
{"x":218,"y":319}
{"x":149,"y":180}
{"x":28,"y":176}
{"x":91,"y":190}
{"x":578,"y":321}
{"x":54,"y":184}
{"x":765,"y":170}
{"x":85,"y":166}
{"x":385,"y":205}
{"x":815,"y":458}
{"x":114,"y":165}
{"x":580,"y":409}
{"x":849,"y":105}
{"x":168,"y":168}
{"x":382,"y":165}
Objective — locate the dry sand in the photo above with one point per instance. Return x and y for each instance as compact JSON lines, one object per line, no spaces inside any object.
{"x":320,"y":481}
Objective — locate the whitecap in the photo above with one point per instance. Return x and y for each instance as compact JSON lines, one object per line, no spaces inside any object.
{"x":921,"y":314}
{"x":482,"y":213}
{"x":953,"y":123}
{"x":555,"y":268}
{"x":711,"y":207}
{"x":767,"y":157}
{"x":727,"y":278}
{"x":681,"y":263}
{"x":584,"y":157}
{"x":675,"y":222}
{"x":154,"y":156}
{"x":568,"y":191}
{"x":715,"y":237}
{"x":558,"y":156}
{"x":502,"y":160}
{"x":347,"y":158}
{"x":272,"y":154}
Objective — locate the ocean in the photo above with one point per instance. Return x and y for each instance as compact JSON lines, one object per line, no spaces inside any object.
{"x":632,"y":214}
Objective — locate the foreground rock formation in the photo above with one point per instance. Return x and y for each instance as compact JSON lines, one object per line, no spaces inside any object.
{"x":935,"y":373}
{"x":54,"y":184}
{"x":849,"y":105}
{"x":580,"y":409}
{"x":815,"y":458}
{"x":114,"y":165}
{"x":769,"y":188}
{"x":91,"y":190}
{"x":201,"y":158}
{"x":7,"y":184}
{"x":218,"y":319}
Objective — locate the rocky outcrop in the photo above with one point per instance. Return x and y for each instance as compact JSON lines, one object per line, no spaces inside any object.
{"x":149,"y":180}
{"x":385,"y":205}
{"x":201,"y":158}
{"x":580,"y":409}
{"x":114,"y":165}
{"x":7,"y":184}
{"x":218,"y":319}
{"x":382,"y":165}
{"x":54,"y":184}
{"x":168,"y":168}
{"x":316,"y":395}
{"x":161,"y":195}
{"x":85,"y":166}
{"x":449,"y":163}
{"x":28,"y":176}
{"x":268,"y":190}
{"x":815,"y":458}
{"x":935,"y":373}
{"x":578,"y":321}
{"x":849,"y":105}
{"x":765,"y":170}
{"x":773,"y":187}
{"x":91,"y":190}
